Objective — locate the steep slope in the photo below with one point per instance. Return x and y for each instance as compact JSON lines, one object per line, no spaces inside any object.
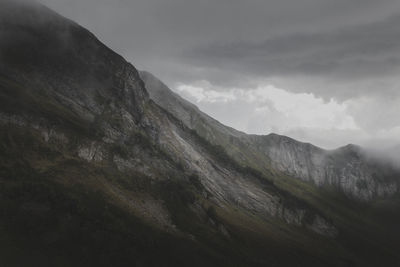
{"x":94,"y":173}
{"x":348,"y":185}
{"x":350,"y":169}
{"x":182,"y":109}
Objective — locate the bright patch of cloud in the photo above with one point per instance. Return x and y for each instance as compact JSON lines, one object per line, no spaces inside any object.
{"x":304,"y":110}
{"x":267,"y":108}
{"x":202,"y":92}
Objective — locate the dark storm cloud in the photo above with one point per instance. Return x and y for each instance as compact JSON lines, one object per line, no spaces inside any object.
{"x":353,"y":52}
{"x":220,"y":40}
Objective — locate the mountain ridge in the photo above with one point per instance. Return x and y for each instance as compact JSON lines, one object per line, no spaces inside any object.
{"x":94,"y":173}
{"x":302,"y":160}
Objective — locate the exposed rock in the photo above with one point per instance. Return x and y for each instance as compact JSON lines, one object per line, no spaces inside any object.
{"x":321,"y":226}
{"x":349,"y":169}
{"x":91,"y":152}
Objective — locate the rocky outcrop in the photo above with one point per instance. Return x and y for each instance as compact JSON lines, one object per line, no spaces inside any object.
{"x":349,"y":169}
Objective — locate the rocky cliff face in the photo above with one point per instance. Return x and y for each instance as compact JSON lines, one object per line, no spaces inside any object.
{"x":349,"y":169}
{"x":88,"y":159}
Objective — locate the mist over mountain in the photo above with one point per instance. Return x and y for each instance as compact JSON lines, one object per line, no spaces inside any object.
{"x":104,"y":165}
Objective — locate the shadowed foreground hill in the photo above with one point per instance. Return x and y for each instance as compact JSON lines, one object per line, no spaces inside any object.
{"x":94,"y":173}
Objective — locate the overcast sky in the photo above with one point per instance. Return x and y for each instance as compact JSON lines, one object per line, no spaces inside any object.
{"x":321,"y":71}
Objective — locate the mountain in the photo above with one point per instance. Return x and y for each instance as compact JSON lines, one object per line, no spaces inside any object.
{"x":350,"y":169}
{"x":95,"y":171}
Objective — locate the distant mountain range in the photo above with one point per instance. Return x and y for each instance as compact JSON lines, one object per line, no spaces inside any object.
{"x":102,"y":165}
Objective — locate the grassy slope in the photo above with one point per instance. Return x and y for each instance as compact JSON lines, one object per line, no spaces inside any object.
{"x":369,"y":231}
{"x":57,"y":210}
{"x":55,"y":205}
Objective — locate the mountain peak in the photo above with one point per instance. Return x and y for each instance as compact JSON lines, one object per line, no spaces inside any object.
{"x":50,"y":52}
{"x":351,"y":148}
